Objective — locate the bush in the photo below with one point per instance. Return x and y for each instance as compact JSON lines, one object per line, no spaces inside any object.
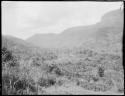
{"x":120,"y":86}
{"x":36,"y":62}
{"x":46,"y":82}
{"x":95,"y":79}
{"x":7,"y":84}
{"x":78,"y":83}
{"x":20,"y":85}
{"x":121,"y":90}
{"x":101,"y":72}
{"x":8,"y":59}
{"x":6,"y":55}
{"x":32,"y":88}
{"x":60,"y":82}
{"x":55,"y":69}
{"x":58,"y":72}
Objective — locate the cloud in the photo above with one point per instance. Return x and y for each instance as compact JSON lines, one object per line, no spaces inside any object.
{"x":23,"y":19}
{"x":47,"y":14}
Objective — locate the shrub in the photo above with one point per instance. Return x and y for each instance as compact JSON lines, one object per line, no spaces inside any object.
{"x":96,"y":88}
{"x":120,"y":86}
{"x":8,"y":59}
{"x":36,"y":62}
{"x":20,"y":85}
{"x":60,"y":82}
{"x":46,"y":82}
{"x":32,"y":88}
{"x":58,"y":72}
{"x":55,"y":69}
{"x":7,"y":84}
{"x":25,"y":86}
{"x":121,"y":90}
{"x":101,"y":72}
{"x":95,"y":79}
{"x":77,"y":83}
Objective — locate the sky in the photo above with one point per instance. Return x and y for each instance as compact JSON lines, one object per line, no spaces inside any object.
{"x":24,"y":19}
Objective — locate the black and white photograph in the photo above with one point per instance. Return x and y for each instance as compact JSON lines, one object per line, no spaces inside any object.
{"x":62,"y":47}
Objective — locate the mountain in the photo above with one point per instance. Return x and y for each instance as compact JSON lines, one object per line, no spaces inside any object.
{"x":111,"y":26}
{"x":68,"y":38}
{"x":103,"y":35}
{"x":109,"y":33}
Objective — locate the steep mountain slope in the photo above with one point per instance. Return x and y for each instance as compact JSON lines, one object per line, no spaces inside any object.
{"x":111,"y":27}
{"x":107,"y":32}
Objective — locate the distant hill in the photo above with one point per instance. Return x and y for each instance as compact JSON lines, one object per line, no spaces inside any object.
{"x":105,"y":34}
{"x":68,"y":38}
{"x":19,"y":47}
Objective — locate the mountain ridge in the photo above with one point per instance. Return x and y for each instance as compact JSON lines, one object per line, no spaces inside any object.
{"x":77,"y":36}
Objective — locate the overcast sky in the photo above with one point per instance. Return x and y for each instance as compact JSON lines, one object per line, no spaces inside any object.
{"x":24,"y":19}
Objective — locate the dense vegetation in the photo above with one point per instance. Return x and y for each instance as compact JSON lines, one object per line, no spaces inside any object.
{"x":24,"y":73}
